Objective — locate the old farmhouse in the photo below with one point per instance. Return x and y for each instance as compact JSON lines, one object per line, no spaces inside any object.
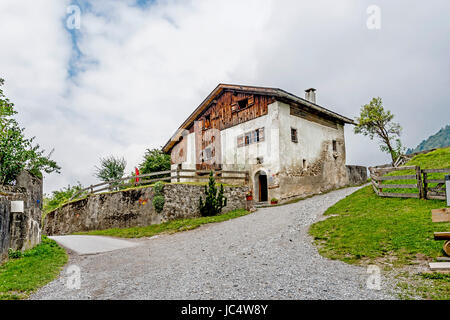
{"x":291,"y":146}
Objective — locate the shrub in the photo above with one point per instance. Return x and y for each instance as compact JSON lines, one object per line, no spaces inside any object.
{"x":159,"y":187}
{"x":159,"y":200}
{"x":59,"y":197}
{"x":214,"y":200}
{"x":158,"y":203}
{"x":14,"y":254}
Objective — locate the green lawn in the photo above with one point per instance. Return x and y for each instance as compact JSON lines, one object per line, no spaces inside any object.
{"x":166,"y":227}
{"x":366,"y":227}
{"x":393,"y":233}
{"x":38,"y":266}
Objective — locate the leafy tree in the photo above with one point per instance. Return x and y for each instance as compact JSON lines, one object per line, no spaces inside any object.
{"x":18,"y":153}
{"x":214,"y":201}
{"x":111,"y":168}
{"x":59,"y":197}
{"x":375,"y":121}
{"x":155,"y":160}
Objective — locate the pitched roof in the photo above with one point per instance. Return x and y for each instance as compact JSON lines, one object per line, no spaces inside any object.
{"x":275,"y":92}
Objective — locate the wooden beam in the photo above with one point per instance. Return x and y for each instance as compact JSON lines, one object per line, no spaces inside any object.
{"x":405,"y":177}
{"x":435,"y":180}
{"x":438,"y":266}
{"x":396,"y":186}
{"x":442,"y":235}
{"x":398,"y":195}
{"x":440,"y":215}
{"x":390,"y":169}
{"x":436,"y":170}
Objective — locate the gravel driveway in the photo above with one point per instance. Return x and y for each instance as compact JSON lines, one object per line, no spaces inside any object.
{"x":265,"y":255}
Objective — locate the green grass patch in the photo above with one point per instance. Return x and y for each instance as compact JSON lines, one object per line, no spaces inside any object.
{"x":366,"y":226}
{"x":36,"y":267}
{"x":394,"y":232}
{"x":430,"y":286}
{"x":166,"y":227}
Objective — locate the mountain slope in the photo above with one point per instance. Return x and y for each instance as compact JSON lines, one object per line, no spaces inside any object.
{"x":439,"y":140}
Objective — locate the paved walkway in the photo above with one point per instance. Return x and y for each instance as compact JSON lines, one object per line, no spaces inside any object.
{"x":92,"y":244}
{"x":265,"y":255}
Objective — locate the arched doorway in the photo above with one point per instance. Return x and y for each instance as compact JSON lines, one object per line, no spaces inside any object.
{"x":261,"y":186}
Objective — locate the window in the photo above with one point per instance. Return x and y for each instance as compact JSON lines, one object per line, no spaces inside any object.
{"x":208,"y":154}
{"x":243,"y":103}
{"x":294,"y":135}
{"x":248,"y":138}
{"x":254,"y":136}
{"x":304,"y":163}
{"x":240,"y":141}
{"x":334,"y":146}
{"x":207,"y":122}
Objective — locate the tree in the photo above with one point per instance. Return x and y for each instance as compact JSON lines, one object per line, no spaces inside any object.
{"x":59,"y":197}
{"x":214,"y":202}
{"x":111,"y":168}
{"x":155,"y":160}
{"x":18,"y":153}
{"x":375,"y":121}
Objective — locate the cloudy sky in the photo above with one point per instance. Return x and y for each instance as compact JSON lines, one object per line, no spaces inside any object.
{"x":135,"y":69}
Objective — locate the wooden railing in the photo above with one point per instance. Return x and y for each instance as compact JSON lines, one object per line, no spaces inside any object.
{"x":420,"y":185}
{"x":437,"y":192}
{"x":241,"y":176}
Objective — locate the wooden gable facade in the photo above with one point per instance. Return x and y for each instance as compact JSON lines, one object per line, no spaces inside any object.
{"x":228,"y":109}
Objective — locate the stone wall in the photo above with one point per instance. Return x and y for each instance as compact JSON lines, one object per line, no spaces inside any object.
{"x":356,"y":175}
{"x":133,"y":208}
{"x":20,"y":231}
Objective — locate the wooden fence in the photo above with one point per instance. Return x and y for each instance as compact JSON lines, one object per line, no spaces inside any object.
{"x":222,"y":175}
{"x":421,"y":184}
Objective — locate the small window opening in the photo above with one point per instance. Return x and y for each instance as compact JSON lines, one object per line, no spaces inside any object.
{"x":243,"y":103}
{"x":294,"y":135}
{"x":334,"y":145}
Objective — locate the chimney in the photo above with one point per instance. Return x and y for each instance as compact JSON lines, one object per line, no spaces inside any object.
{"x":310,"y":95}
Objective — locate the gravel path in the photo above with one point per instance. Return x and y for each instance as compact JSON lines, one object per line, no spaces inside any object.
{"x":265,"y":255}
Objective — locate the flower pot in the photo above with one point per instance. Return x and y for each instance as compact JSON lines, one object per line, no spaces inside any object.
{"x":249,"y":198}
{"x":273,"y":202}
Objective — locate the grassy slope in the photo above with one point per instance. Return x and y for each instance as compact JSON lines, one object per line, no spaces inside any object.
{"x":38,"y":266}
{"x":167,"y":227}
{"x":393,"y":232}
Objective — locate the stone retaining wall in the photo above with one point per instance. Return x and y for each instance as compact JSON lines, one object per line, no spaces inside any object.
{"x":133,"y":208}
{"x":357,"y":175}
{"x":20,"y":231}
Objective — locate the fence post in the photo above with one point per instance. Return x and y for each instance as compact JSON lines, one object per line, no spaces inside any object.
{"x":178,"y":174}
{"x":425,"y":185}
{"x":419,"y":182}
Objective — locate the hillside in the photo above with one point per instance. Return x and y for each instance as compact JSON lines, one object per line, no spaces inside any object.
{"x":395,"y":234}
{"x":439,"y":140}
